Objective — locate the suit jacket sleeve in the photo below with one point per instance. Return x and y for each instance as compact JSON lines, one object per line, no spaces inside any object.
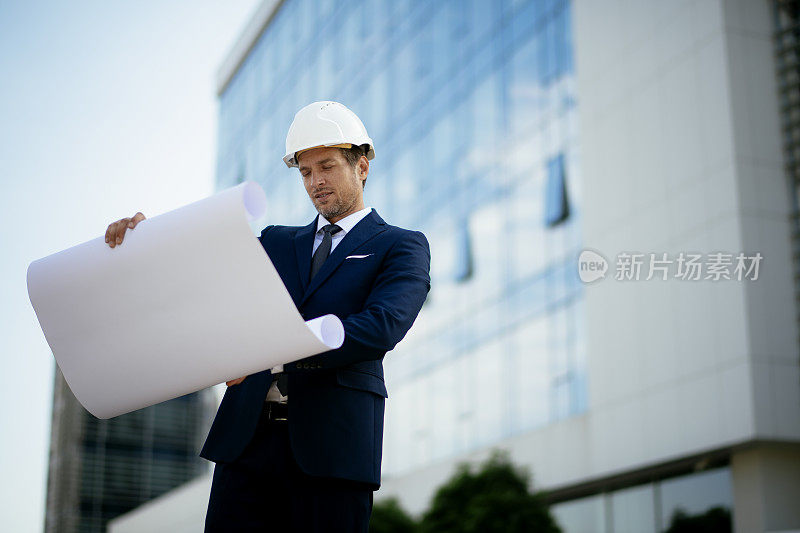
{"x":393,"y":304}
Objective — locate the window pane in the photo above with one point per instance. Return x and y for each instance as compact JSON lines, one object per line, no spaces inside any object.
{"x":633,"y":510}
{"x":696,"y":493}
{"x":587,"y":514}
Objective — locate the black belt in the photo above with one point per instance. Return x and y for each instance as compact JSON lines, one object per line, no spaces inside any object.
{"x":275,"y":411}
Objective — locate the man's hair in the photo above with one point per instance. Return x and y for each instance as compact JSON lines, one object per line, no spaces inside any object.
{"x":353,"y":155}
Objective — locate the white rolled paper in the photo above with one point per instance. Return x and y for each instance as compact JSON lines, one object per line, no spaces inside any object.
{"x":328,"y":329}
{"x":188,"y":300}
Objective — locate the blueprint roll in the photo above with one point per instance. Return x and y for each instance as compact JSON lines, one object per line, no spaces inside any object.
{"x":188,"y":300}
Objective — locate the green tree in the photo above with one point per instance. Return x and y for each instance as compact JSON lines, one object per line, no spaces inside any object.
{"x":388,"y":517}
{"x":495,"y":498}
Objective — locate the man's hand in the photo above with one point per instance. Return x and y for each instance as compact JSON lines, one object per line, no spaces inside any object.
{"x":234,"y":381}
{"x":116,"y":230}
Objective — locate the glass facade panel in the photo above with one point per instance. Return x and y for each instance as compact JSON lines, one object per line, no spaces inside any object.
{"x":466,"y":102}
{"x":696,"y":493}
{"x":647,"y":508}
{"x":579,"y":516}
{"x":634,"y":510}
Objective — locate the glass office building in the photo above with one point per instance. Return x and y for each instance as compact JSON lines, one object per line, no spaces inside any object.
{"x":100,"y":469}
{"x":472,"y":109}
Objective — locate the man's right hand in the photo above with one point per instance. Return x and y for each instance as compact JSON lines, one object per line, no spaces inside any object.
{"x":116,"y":230}
{"x":234,"y":381}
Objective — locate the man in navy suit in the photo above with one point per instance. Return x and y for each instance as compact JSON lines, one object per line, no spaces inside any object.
{"x":298,"y":447}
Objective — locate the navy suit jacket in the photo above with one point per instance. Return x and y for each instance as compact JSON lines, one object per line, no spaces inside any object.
{"x":336,"y":398}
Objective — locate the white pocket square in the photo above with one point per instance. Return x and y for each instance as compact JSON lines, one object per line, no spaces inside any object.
{"x":358,"y":256}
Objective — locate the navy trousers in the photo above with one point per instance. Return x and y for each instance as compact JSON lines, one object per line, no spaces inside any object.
{"x":265,"y":490}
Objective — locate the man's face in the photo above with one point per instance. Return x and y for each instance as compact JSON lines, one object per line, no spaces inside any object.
{"x":332,"y":184}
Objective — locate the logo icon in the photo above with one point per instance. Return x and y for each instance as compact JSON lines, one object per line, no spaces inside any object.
{"x":591,"y":266}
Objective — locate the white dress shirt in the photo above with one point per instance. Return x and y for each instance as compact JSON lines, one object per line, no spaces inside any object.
{"x":347,"y":224}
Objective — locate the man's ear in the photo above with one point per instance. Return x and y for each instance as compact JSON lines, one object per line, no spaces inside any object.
{"x":362,"y":168}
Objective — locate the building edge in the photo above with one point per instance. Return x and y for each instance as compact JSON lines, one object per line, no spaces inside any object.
{"x":247,"y":39}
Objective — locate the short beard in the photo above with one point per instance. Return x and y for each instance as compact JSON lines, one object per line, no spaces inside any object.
{"x":338,"y":208}
{"x":331,"y":211}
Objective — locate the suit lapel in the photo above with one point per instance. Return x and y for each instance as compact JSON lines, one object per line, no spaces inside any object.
{"x":368,"y":227}
{"x":303,"y":244}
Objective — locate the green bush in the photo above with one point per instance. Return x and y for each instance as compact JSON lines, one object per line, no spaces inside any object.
{"x":495,"y":498}
{"x":388,"y":517}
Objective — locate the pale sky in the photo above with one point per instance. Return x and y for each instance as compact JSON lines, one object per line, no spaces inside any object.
{"x":106,"y":108}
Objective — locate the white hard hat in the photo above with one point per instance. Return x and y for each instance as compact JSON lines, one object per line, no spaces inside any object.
{"x":325,"y":124}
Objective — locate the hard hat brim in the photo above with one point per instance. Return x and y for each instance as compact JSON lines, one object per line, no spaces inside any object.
{"x":291,"y":159}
